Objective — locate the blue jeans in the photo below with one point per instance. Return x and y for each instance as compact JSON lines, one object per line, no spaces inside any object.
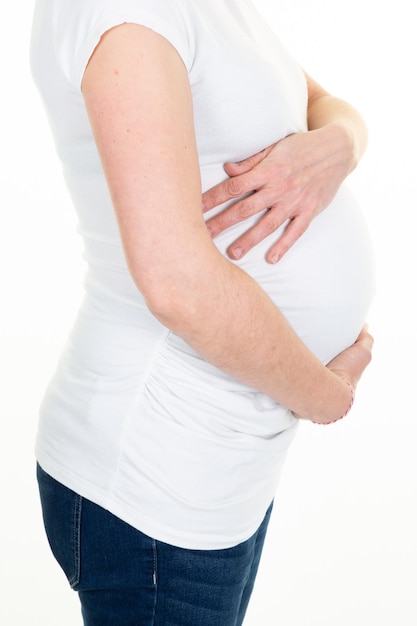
{"x":125,"y":578}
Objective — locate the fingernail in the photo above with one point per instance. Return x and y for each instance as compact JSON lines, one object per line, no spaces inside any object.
{"x":274,"y":258}
{"x":237,"y":253}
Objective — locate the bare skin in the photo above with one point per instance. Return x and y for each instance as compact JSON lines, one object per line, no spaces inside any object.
{"x":295,"y":178}
{"x":138,"y":98}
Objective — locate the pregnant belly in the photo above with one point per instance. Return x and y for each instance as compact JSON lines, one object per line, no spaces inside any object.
{"x":324,"y":285}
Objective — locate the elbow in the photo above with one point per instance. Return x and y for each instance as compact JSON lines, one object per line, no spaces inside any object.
{"x":167,"y":308}
{"x":172,"y":302}
{"x":179,"y":293}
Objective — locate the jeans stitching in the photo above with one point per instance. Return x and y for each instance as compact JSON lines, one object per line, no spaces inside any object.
{"x":155,"y":578}
{"x":155,"y":563}
{"x":75,"y":579}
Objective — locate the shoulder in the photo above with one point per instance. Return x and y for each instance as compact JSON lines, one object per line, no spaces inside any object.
{"x":79,"y":25}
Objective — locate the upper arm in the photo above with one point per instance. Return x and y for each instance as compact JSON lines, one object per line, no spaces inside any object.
{"x":138,"y":99}
{"x":314,"y":89}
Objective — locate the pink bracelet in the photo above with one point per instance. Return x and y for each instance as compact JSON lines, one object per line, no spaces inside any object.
{"x":352,"y":400}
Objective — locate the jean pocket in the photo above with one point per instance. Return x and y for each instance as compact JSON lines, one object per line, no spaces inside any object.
{"x":61,"y":510}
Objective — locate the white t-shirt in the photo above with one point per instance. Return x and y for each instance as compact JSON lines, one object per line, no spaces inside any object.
{"x":134,"y":419}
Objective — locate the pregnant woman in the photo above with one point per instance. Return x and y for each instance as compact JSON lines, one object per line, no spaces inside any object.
{"x":193,"y":357}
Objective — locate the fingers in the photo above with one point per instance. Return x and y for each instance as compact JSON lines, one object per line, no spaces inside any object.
{"x":352,"y":362}
{"x":269,"y":223}
{"x":239,"y":211}
{"x":235,"y":169}
{"x":295,"y":228}
{"x":227,"y":190}
{"x":239,"y":183}
{"x":365,"y":338}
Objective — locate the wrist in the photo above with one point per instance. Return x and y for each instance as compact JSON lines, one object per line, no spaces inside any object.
{"x":345,"y":145}
{"x":350,"y":401}
{"x":352,"y":135}
{"x":344,"y":123}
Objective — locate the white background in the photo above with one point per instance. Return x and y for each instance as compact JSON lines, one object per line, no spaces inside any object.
{"x":342,"y":546}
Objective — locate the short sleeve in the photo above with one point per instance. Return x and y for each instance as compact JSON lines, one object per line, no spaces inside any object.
{"x":79,"y":25}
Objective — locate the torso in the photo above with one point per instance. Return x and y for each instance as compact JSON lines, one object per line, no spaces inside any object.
{"x":134,"y":419}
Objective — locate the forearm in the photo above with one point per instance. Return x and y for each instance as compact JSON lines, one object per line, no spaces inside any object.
{"x":346,"y":128}
{"x":227,"y":318}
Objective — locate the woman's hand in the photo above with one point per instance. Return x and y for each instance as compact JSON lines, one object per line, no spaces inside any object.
{"x":351,"y":363}
{"x":295,"y":179}
{"x":348,"y":366}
